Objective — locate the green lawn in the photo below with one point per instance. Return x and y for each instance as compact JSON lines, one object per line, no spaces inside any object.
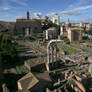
{"x":17,"y":70}
{"x":67,"y":49}
{"x":77,"y":45}
{"x":13,"y":72}
{"x":82,"y":47}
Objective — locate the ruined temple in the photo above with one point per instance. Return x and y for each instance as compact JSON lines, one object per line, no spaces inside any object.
{"x":28,"y":26}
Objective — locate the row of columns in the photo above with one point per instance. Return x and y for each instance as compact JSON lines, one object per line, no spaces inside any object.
{"x":28,"y":31}
{"x":51,"y":54}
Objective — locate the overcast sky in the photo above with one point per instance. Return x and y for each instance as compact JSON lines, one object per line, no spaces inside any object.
{"x":75,"y":10}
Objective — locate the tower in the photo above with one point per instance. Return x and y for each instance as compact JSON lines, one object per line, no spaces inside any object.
{"x":81,"y":24}
{"x":28,"y":15}
{"x":56,"y":19}
{"x":68,"y":22}
{"x":61,"y":30}
{"x":68,"y":25}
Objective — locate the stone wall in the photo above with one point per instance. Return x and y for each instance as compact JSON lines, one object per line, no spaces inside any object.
{"x":33,"y":25}
{"x":74,"y":34}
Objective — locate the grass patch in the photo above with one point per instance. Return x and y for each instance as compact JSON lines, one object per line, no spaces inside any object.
{"x":82,"y":47}
{"x":68,"y":49}
{"x":77,"y":45}
{"x":21,"y":69}
{"x":5,"y":71}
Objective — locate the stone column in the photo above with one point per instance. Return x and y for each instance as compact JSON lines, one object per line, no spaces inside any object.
{"x":61,"y":31}
{"x":47,"y":36}
{"x":5,"y":89}
{"x":58,"y":81}
{"x":59,"y":90}
{"x":55,"y":90}
{"x":48,"y":58}
{"x":90,"y":69}
{"x":27,"y":31}
{"x":47,"y":66}
{"x":52,"y":48}
{"x":31,"y":31}
{"x":48,"y":55}
{"x":55,"y":54}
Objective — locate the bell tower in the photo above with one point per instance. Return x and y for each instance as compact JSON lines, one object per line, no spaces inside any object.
{"x":28,"y":15}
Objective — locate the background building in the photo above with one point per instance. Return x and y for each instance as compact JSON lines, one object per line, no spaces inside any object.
{"x":28,"y":26}
{"x":74,"y":34}
{"x":55,"y":19}
{"x":51,"y":33}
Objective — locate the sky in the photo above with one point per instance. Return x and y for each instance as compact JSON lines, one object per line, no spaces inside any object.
{"x":74,"y":10}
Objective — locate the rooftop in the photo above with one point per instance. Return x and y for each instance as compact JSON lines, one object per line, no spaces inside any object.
{"x":76,"y":29}
{"x":52,"y":28}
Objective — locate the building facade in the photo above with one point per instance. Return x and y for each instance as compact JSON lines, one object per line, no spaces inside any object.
{"x":28,"y":26}
{"x":74,"y":34}
{"x":51,"y":33}
{"x":56,"y":19}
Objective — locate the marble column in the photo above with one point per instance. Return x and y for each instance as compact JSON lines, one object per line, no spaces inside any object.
{"x":47,"y":35}
{"x":48,"y":58}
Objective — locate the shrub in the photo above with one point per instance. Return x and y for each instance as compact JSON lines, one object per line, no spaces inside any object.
{"x":66,"y":40}
{"x":8,"y":51}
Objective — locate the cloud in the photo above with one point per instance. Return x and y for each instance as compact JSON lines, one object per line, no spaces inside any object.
{"x":79,"y":3}
{"x":19,"y":2}
{"x":65,"y":13}
{"x":83,"y":7}
{"x":6,"y":8}
{"x":39,"y":13}
{"x":75,"y":11}
{"x":19,"y":17}
{"x":7,"y":4}
{"x":87,"y":19}
{"x":84,"y":1}
{"x":70,"y":13}
{"x":12,"y":5}
{"x":7,"y":15}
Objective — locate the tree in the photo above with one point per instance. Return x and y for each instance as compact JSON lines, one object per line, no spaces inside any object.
{"x":50,"y":24}
{"x":8,"y":51}
{"x":46,"y":17}
{"x":66,"y":40}
{"x":89,"y":32}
